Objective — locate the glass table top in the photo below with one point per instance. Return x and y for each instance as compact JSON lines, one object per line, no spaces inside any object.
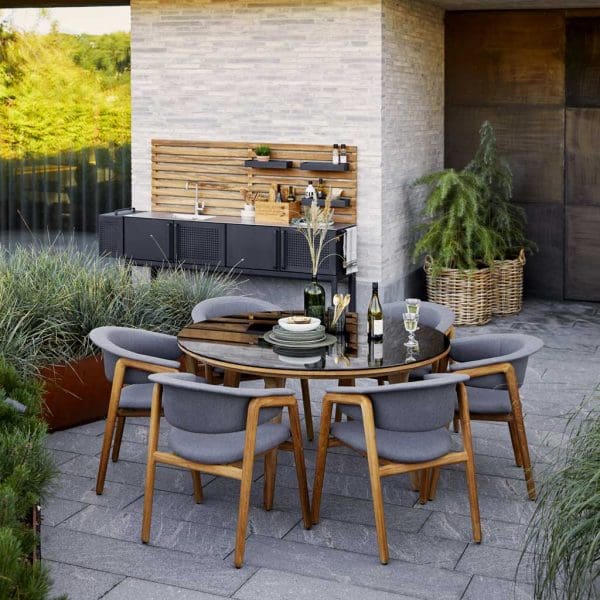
{"x":238,"y":341}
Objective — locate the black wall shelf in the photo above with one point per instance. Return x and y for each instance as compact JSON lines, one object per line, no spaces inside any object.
{"x":324,"y":166}
{"x":338,"y":203}
{"x":268,"y":164}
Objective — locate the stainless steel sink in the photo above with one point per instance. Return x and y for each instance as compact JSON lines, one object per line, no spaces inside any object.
{"x":191,"y":217}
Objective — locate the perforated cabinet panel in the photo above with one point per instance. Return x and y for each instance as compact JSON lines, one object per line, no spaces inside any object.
{"x":296,"y":256}
{"x":110,"y":235}
{"x":202,"y":243}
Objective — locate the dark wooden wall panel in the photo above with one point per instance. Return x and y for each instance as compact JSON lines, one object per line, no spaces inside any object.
{"x":505,"y":57}
{"x":583,"y":156}
{"x":544,"y":271}
{"x":531,"y":138}
{"x":583,"y":253}
{"x":508,"y":67}
{"x":583,"y":62}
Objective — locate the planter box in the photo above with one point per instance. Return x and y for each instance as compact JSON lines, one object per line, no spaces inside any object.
{"x":75,"y":394}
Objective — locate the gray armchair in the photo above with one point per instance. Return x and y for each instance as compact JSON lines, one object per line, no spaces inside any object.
{"x":129,"y":355}
{"x":403,"y":429}
{"x":232,"y":305}
{"x":496,"y":364}
{"x":431,"y":314}
{"x":215,"y":427}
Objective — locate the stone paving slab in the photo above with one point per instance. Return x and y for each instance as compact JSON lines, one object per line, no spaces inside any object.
{"x":94,"y":540}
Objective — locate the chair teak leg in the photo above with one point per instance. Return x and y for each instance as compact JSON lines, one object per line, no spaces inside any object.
{"x":435,"y":475}
{"x":310,"y":434}
{"x":118,"y":438}
{"x":151,"y":463}
{"x":424,"y":491}
{"x":514,"y":438}
{"x":269,"y":478}
{"x":321,"y":459}
{"x":109,"y":427}
{"x":300,"y":465}
{"x":197,"y":481}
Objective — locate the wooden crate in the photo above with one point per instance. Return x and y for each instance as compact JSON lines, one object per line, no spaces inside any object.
{"x":277,"y":212}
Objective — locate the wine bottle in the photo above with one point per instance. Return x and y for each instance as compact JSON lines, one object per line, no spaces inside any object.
{"x":375,"y":315}
{"x":375,"y":358}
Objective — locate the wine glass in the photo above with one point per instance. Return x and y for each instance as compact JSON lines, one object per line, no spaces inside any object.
{"x":413,"y":305}
{"x":411,"y":320}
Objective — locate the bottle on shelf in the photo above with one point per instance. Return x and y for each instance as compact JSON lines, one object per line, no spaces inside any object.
{"x":311,"y":192}
{"x":291,"y":195}
{"x":278,"y":197}
{"x":335,"y":159}
{"x":321,"y":190}
{"x":343,"y":154}
{"x":375,"y":315}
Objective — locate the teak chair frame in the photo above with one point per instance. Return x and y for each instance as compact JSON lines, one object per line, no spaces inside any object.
{"x":379,"y":468}
{"x":241,"y":471}
{"x":115,"y":417}
{"x":514,"y":419}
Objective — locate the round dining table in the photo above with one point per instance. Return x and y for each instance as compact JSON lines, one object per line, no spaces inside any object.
{"x":235,"y":345}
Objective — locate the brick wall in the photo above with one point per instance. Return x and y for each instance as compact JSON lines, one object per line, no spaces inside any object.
{"x":364,"y":72}
{"x":412,"y":131}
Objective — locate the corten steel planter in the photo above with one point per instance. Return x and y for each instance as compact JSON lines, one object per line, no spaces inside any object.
{"x":75,"y":393}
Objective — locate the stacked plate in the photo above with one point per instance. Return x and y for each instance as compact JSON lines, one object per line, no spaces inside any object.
{"x":299,"y":342}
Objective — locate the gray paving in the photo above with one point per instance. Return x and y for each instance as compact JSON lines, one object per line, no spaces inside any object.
{"x":91,"y":543}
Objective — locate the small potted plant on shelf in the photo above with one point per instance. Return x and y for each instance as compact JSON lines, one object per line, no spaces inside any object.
{"x":262,"y":153}
{"x":459,"y":245}
{"x":506,"y":219}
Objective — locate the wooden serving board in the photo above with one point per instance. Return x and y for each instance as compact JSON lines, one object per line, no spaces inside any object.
{"x":249,"y":329}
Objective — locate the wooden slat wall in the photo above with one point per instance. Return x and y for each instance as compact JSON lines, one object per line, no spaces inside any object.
{"x":219,"y":167}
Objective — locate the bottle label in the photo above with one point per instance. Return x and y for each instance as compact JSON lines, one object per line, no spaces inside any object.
{"x":377,"y":351}
{"x":377,"y":327}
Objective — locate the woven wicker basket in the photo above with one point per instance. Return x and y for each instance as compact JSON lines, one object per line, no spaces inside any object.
{"x":467,"y":293}
{"x":507,"y":278}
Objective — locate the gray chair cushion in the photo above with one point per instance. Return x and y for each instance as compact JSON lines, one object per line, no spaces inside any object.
{"x":220,"y":448}
{"x":136,"y":396}
{"x":492,"y":349}
{"x":483,"y":400}
{"x":407,"y":447}
{"x":135,"y":344}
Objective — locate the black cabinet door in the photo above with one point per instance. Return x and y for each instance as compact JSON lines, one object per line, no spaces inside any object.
{"x":253,"y":247}
{"x":110,"y":234}
{"x":296,"y":256}
{"x":200,"y":243}
{"x":148,"y":240}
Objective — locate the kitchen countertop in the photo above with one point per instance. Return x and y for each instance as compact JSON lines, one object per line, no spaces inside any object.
{"x":214,"y":219}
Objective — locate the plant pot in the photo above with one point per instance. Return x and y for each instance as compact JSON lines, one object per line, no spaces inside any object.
{"x":507,"y":285}
{"x":263,"y":158}
{"x":467,"y":293}
{"x":75,"y":393}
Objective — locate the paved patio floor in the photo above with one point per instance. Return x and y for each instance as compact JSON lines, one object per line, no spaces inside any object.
{"x":91,"y":543}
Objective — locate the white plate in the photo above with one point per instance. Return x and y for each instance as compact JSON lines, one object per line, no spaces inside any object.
{"x":314,"y":323}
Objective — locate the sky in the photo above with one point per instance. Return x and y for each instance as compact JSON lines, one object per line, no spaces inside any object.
{"x":94,"y":20}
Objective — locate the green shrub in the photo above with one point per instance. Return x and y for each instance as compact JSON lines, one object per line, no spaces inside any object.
{"x":53,"y":296}
{"x":26,"y":470}
{"x":564,"y":535}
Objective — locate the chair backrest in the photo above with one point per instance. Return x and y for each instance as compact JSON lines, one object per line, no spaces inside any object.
{"x":229,"y":305}
{"x":417,"y":406}
{"x":513,"y":348}
{"x":137,"y":344}
{"x":430,"y":314}
{"x":193,"y":405}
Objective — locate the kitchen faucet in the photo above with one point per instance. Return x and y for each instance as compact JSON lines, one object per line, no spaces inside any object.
{"x":197,"y":209}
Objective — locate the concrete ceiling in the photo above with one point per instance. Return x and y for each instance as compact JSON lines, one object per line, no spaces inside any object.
{"x":506,"y":4}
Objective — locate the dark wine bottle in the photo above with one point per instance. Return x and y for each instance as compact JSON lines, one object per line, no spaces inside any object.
{"x":375,"y":315}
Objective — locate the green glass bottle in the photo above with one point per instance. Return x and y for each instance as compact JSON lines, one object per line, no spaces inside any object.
{"x":314,"y":300}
